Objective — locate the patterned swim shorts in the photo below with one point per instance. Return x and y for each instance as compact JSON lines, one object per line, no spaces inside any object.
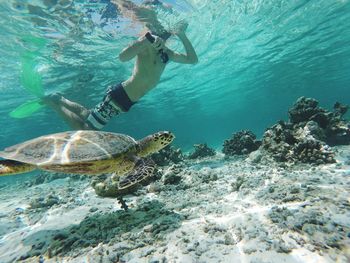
{"x":114,"y":102}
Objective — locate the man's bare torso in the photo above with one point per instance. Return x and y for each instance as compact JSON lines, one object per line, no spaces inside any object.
{"x":146,"y":74}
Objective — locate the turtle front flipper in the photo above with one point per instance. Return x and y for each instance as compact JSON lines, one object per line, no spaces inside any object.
{"x":116,"y":186}
{"x":142,"y":172}
{"x":9,"y":167}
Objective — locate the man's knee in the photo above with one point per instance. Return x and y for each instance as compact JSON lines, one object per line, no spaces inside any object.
{"x":85,"y":114}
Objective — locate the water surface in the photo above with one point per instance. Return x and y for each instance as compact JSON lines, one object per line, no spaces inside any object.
{"x":255,"y":59}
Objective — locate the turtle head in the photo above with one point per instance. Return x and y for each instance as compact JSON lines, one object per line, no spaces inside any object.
{"x":155,"y":142}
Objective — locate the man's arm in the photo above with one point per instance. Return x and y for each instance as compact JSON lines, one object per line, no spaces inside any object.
{"x":190,"y":57}
{"x":134,"y":49}
{"x":124,"y":4}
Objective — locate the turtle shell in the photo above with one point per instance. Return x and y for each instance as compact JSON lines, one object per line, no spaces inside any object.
{"x":70,"y":147}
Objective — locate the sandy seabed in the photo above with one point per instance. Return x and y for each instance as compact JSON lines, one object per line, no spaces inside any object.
{"x":209,"y":210}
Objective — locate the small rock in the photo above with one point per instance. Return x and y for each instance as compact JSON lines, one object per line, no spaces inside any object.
{"x":93,"y":209}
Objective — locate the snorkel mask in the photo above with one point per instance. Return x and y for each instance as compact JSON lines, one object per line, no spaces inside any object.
{"x":163,"y":34}
{"x":164,"y":56}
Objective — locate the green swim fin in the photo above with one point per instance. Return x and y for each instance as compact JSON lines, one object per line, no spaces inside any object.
{"x":30,"y":78}
{"x":34,"y":42}
{"x":27,"y":109}
{"x":32,"y":82}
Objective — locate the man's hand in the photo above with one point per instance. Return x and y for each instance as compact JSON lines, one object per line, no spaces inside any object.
{"x":190,"y":57}
{"x":158,"y":43}
{"x":145,"y":15}
{"x":180,"y":27}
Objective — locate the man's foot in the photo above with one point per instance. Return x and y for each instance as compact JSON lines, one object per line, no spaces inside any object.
{"x":52,"y":99}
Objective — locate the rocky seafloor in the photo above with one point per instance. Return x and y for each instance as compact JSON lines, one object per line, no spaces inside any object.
{"x":213,"y":209}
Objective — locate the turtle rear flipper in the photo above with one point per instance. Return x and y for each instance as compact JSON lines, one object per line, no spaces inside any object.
{"x":9,"y":167}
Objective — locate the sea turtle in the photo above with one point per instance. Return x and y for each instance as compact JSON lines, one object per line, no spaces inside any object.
{"x":92,"y":153}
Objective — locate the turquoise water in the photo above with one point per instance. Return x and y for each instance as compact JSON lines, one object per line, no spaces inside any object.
{"x":255,"y":59}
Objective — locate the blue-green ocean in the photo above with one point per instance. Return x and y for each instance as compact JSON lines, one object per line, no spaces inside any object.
{"x":255,"y":59}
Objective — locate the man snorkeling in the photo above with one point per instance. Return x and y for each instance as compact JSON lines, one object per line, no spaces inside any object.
{"x":152,"y":56}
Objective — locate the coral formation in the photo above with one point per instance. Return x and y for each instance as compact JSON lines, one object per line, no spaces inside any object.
{"x":313,"y":151}
{"x":168,"y":155}
{"x":305,"y":138}
{"x":201,"y":150}
{"x":278,"y":141}
{"x":242,"y":142}
{"x":304,"y":109}
{"x":336,"y":130}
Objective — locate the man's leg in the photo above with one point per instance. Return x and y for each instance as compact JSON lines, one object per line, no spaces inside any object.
{"x":71,"y":112}
{"x":75,"y":107}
